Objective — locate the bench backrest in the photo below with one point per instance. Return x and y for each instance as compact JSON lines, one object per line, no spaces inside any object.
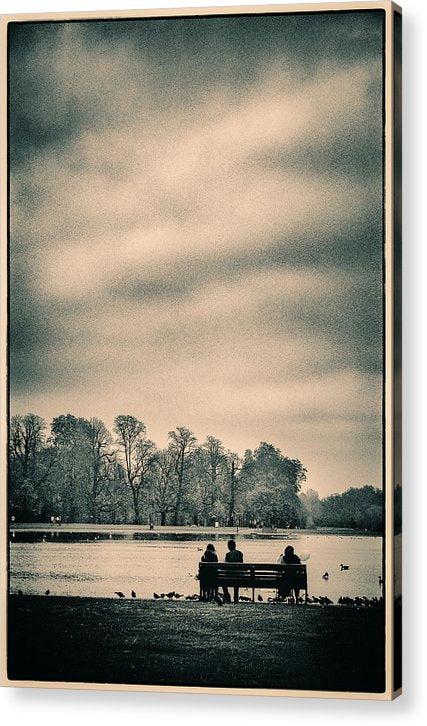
{"x":252,"y":574}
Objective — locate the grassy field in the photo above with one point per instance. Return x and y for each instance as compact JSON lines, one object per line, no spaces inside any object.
{"x":195,"y":644}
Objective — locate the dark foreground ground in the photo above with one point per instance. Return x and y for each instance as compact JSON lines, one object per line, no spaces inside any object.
{"x":195,"y":644}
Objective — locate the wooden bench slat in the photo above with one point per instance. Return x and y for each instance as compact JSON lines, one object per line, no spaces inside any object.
{"x":253,"y":575}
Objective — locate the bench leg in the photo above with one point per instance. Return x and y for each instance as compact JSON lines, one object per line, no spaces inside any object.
{"x":253,"y":594}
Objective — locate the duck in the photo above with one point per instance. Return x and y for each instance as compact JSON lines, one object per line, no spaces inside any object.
{"x":326,"y":576}
{"x":47,"y":592}
{"x":156,"y":596}
{"x":119,"y":593}
{"x":133,"y":593}
{"x":260,"y":598}
{"x":344,"y":567}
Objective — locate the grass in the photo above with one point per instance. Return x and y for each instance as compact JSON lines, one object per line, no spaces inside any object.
{"x":195,"y":644}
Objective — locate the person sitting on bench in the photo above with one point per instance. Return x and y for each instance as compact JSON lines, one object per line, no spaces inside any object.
{"x":232,"y":555}
{"x":209,"y":556}
{"x":288,"y":558}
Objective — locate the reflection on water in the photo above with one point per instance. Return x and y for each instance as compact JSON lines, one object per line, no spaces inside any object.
{"x":98,"y":568}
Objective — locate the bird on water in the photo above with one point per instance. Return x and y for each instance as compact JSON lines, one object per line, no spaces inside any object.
{"x":344,"y":567}
{"x":326,"y":576}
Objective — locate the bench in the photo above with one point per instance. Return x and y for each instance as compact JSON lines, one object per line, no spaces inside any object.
{"x":254,"y":576}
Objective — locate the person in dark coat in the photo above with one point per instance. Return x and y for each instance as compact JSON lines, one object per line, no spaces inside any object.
{"x":210,"y":592}
{"x":233,"y":555}
{"x":288,"y":558}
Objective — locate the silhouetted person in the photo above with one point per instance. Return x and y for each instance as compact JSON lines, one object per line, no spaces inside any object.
{"x":288,"y":558}
{"x":232,"y":555}
{"x":209,"y":593}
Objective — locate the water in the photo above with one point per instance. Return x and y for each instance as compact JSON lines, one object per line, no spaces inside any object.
{"x":98,"y":568}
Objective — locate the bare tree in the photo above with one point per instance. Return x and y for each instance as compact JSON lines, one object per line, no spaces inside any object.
{"x":138,"y":455}
{"x":182,"y":444}
{"x":164,"y":490}
{"x":210,"y":463}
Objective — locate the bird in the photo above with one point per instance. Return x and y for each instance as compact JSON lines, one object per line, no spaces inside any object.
{"x":326,"y":576}
{"x":345,"y":567}
{"x":119,"y":593}
{"x":260,"y":599}
{"x":156,"y":596}
{"x":170,"y":594}
{"x":200,"y":549}
{"x":177,"y":595}
{"x":47,"y":592}
{"x":218,"y":600}
{"x":133,"y":593}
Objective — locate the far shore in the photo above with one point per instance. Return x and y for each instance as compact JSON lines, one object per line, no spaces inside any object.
{"x":193,"y":531}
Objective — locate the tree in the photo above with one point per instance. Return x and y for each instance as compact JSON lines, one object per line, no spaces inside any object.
{"x":209,"y":461}
{"x":312,"y":508}
{"x":182,"y":445}
{"x":31,"y":460}
{"x":71,"y":437}
{"x":273,"y":482}
{"x":233,"y":486}
{"x":138,"y":456}
{"x":101,"y":471}
{"x":164,"y":489}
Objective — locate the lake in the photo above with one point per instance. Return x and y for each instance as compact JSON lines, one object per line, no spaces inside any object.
{"x":98,"y":568}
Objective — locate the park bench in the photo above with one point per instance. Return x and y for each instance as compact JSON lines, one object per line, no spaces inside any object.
{"x":253,"y":576}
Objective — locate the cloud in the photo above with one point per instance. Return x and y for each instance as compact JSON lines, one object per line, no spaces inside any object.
{"x":196,"y":228}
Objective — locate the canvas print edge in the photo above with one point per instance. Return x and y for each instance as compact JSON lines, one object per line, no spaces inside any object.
{"x":392,"y":308}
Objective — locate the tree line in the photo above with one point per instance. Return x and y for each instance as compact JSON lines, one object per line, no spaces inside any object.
{"x":78,"y":469}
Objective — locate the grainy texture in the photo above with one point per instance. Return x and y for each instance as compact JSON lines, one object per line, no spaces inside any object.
{"x":195,"y":644}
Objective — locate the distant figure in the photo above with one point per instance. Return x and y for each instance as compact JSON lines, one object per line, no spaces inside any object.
{"x":209,"y":593}
{"x":52,"y":520}
{"x":288,"y":558}
{"x":233,"y":555}
{"x":12,"y":520}
{"x":58,"y":521}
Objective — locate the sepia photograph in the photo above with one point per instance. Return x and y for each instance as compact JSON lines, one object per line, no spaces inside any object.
{"x":203,"y":350}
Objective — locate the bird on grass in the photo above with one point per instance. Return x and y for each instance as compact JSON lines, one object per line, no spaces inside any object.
{"x":218,"y":599}
{"x":47,"y":592}
{"x":260,"y":599}
{"x":177,"y":595}
{"x":156,"y":596}
{"x":344,"y":567}
{"x":20,"y":592}
{"x":326,"y":576}
{"x":170,"y":594}
{"x":133,"y":593}
{"x":119,"y":593}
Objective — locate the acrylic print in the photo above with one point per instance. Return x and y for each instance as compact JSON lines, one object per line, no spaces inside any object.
{"x":196,"y":318}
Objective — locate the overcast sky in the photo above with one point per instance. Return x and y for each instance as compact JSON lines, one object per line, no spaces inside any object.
{"x":196,"y":230}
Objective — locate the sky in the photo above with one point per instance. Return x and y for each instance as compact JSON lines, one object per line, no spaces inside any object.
{"x":196,"y":230}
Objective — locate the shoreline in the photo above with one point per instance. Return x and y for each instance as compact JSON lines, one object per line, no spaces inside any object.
{"x":142,"y":531}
